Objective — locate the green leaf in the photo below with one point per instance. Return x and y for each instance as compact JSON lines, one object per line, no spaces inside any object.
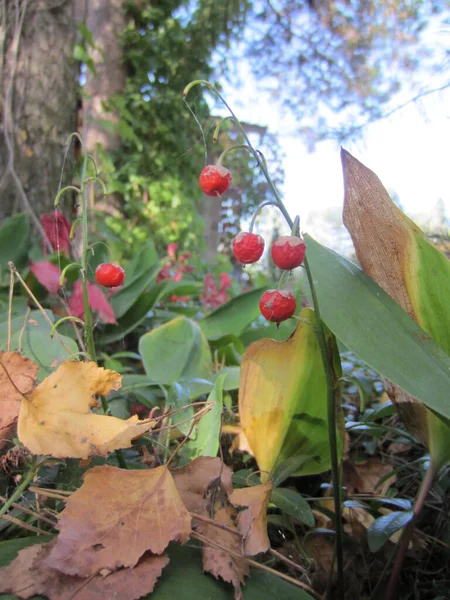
{"x":234,"y":316}
{"x":293,"y":504}
{"x":129,"y":294}
{"x":184,"y":579}
{"x":383,"y":528}
{"x":281,"y":333}
{"x":208,"y":429}
{"x":373,"y":326}
{"x":175,"y":350}
{"x":14,"y":242}
{"x":31,"y":335}
{"x":142,"y":261}
{"x":289,"y":467}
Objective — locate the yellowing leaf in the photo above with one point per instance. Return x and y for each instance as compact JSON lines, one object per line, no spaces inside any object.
{"x":17,"y":374}
{"x":283,"y":399}
{"x":399,"y":257}
{"x":56,"y":420}
{"x":115,"y":517}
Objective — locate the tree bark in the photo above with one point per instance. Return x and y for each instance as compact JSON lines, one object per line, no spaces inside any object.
{"x":39,"y":93}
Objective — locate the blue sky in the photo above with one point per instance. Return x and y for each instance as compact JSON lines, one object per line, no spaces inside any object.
{"x":409,"y":151}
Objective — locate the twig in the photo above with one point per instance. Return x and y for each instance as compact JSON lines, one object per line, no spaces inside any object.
{"x":407,"y":533}
{"x":50,"y":493}
{"x":254,"y":563}
{"x":10,"y":299}
{"x":40,"y":307}
{"x":30,"y":512}
{"x":215,"y":523}
{"x":185,"y":439}
{"x":11,"y":381}
{"x":24,"y":525}
{"x":289,"y":562}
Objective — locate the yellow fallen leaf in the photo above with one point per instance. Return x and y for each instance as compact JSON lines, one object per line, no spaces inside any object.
{"x":56,"y":420}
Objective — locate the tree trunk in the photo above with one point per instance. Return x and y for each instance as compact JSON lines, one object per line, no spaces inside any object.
{"x":39,"y":85}
{"x":106,"y":21}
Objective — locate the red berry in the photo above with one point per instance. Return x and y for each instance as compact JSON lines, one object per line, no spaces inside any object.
{"x":215,"y":180}
{"x":277,"y":305}
{"x":247,"y":247}
{"x":109,"y":275}
{"x":288,"y":252}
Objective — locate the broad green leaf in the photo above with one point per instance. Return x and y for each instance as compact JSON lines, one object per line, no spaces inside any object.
{"x":394,"y":251}
{"x":227,"y":350}
{"x":141,"y":262}
{"x":289,"y":467}
{"x":383,"y":528}
{"x":283,"y":399}
{"x":207,"y":440}
{"x":293,"y":504}
{"x":129,"y":294}
{"x":19,"y":306}
{"x":234,"y":316}
{"x":184,"y":579}
{"x":31,"y":335}
{"x":281,"y":333}
{"x":14,"y":242}
{"x":373,"y":326}
{"x":175,"y":350}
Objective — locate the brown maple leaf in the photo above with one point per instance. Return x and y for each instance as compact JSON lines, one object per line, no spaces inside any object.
{"x":17,"y":378}
{"x":115,"y":517}
{"x":25,"y":577}
{"x":252,"y":522}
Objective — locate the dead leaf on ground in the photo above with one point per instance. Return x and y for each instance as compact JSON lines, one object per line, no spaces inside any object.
{"x":22,"y":371}
{"x":56,"y":419}
{"x":25,"y":578}
{"x":193,"y":481}
{"x":363,"y":478}
{"x":252,"y":522}
{"x":217,"y":560}
{"x":115,"y":517}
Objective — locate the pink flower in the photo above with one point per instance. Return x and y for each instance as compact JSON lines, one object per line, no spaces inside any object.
{"x":57,"y":230}
{"x":214,"y":297}
{"x":47,"y":274}
{"x":172,"y":250}
{"x":97,"y":301}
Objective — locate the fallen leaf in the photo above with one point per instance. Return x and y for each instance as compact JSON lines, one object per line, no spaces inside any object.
{"x":56,"y":418}
{"x":22,"y":372}
{"x":363,"y":478}
{"x":252,"y":522}
{"x":217,"y":559}
{"x":194,"y":480}
{"x":26,"y":578}
{"x":115,"y":517}
{"x":47,"y":274}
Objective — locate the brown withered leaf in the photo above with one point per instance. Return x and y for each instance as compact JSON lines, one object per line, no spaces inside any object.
{"x":22,"y":371}
{"x":25,"y":578}
{"x":56,"y":418}
{"x":115,"y":517}
{"x":216,"y":558}
{"x":194,"y":480}
{"x":363,"y":478}
{"x":252,"y":522}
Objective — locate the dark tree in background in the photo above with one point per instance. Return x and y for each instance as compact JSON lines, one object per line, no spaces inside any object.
{"x":39,"y":92}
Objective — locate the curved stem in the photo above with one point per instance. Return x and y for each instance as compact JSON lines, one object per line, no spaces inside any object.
{"x":66,"y":189}
{"x":219,"y":126}
{"x":324,"y":351}
{"x":58,"y":323}
{"x":232,"y":149}
{"x":258,"y":210}
{"x":407,"y":533}
{"x":19,"y":491}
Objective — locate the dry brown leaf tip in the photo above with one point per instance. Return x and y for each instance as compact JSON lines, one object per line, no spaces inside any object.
{"x":17,"y":378}
{"x":26,"y":577}
{"x":56,"y":418}
{"x":252,"y":522}
{"x":115,"y":517}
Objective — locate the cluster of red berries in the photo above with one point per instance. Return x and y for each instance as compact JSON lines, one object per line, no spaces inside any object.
{"x":287,"y":251}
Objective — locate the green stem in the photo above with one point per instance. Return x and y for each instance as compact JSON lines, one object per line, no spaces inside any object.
{"x":68,"y":318}
{"x":232,"y":149}
{"x":84,"y":257}
{"x":258,"y":210}
{"x":19,"y":491}
{"x":328,"y":368}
